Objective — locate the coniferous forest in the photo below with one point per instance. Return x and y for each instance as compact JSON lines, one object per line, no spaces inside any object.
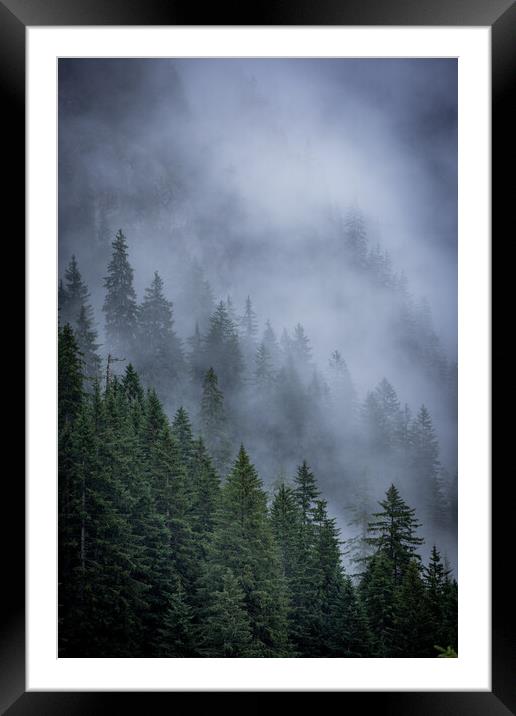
{"x":256,"y":435}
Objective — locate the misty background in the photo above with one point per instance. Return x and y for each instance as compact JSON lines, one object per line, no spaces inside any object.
{"x":257,"y":176}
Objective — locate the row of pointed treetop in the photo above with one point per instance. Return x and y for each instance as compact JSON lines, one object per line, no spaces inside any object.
{"x":159,"y":557}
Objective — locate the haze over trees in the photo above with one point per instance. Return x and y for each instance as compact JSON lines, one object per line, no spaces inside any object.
{"x":170,"y":544}
{"x":257,"y":402}
{"x":159,"y":557}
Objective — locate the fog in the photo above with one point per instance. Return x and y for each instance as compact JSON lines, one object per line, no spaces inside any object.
{"x":250,"y":168}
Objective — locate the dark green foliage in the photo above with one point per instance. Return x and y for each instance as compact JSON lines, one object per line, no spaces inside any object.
{"x":75,"y":309}
{"x":160,"y":358}
{"x":73,"y":294}
{"x":70,"y":377}
{"x":227,"y":627}
{"x":393,"y":533}
{"x":243,"y":543}
{"x":157,"y":558}
{"x":87,"y":344}
{"x":120,"y":306}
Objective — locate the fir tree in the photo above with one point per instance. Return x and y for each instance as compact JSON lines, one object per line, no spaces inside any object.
{"x":87,"y":344}
{"x":222,"y":350}
{"x":425,"y":464}
{"x":263,"y":368}
{"x":73,"y":295}
{"x":243,"y":543}
{"x":160,"y":353}
{"x":393,"y":533}
{"x":120,"y":306}
{"x":227,"y":628}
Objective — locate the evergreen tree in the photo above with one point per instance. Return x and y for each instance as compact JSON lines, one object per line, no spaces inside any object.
{"x":263,"y":368}
{"x":384,"y":422}
{"x":301,"y":350}
{"x":306,"y":492}
{"x":393,"y":533}
{"x":74,"y":295}
{"x":227,"y":628}
{"x":182,"y":431}
{"x":87,"y":344}
{"x":248,"y":331}
{"x":222,"y":350}
{"x":213,"y":421}
{"x":70,"y":377}
{"x":425,"y":464}
{"x":120,"y":306}
{"x":243,"y":543}
{"x":285,"y":520}
{"x":377,"y":591}
{"x":160,"y":353}
{"x":204,"y":493}
{"x":410,"y":614}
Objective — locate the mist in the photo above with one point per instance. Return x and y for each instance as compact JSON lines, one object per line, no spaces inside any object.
{"x":249,"y":170}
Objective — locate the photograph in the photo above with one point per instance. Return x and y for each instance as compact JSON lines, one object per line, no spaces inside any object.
{"x":257,"y":316}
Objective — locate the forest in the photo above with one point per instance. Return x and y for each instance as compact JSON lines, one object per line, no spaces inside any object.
{"x":203,"y":479}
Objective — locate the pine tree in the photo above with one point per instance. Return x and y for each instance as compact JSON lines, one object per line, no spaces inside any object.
{"x":377,"y":591}
{"x":306,"y":492}
{"x":70,"y":377}
{"x":74,"y":295}
{"x":410,"y":615}
{"x":159,"y":354}
{"x":393,"y":533}
{"x":425,"y":464}
{"x":213,"y":421}
{"x":384,"y":423}
{"x":263,"y":368}
{"x":243,"y":543}
{"x":285,"y":520}
{"x":301,"y":350}
{"x":227,"y":628}
{"x":437,"y":584}
{"x":120,"y":306}
{"x":182,"y":431}
{"x":87,"y":344}
{"x":270,"y":343}
{"x":222,"y":350}
{"x":305,"y":584}
{"x":204,"y":494}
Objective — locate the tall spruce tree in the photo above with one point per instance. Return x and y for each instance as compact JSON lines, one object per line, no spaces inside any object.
{"x":120,"y":307}
{"x":160,"y":356}
{"x":73,"y":295}
{"x":393,"y":532}
{"x":87,"y":344}
{"x":243,"y":543}
{"x":425,"y":466}
{"x":222,"y":350}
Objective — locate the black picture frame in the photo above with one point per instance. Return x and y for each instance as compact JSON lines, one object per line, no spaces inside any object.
{"x":15,"y":16}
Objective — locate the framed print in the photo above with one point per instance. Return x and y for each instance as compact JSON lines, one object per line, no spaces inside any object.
{"x":258,"y":282}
